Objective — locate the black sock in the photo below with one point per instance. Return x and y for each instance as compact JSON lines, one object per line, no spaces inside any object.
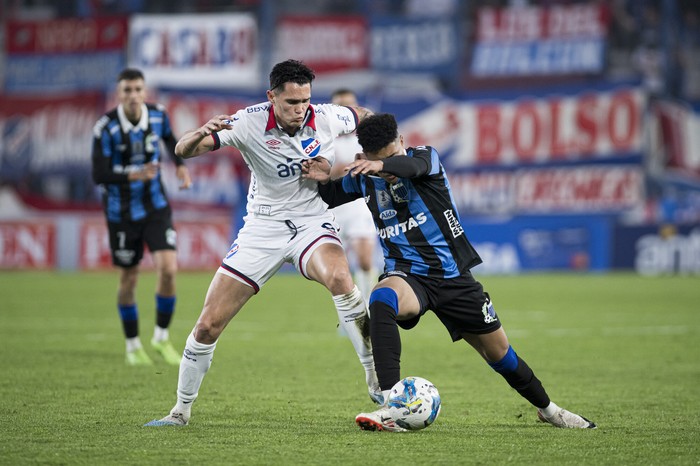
{"x":386,"y":344}
{"x":524,"y":381}
{"x":131,"y":328}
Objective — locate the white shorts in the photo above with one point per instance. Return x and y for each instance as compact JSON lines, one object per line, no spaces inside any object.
{"x":264,"y":245}
{"x":355,"y":221}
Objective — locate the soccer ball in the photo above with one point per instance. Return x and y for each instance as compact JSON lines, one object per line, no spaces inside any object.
{"x":414,"y":403}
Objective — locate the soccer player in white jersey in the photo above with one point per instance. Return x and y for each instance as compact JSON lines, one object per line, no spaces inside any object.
{"x":356,"y":225}
{"x":286,"y":219}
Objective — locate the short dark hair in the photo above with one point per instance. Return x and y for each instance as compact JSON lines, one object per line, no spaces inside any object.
{"x":343,"y":91}
{"x":377,"y":131}
{"x":129,"y":74}
{"x":290,"y":71}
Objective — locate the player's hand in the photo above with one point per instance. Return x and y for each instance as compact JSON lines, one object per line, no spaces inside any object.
{"x":183,"y":174}
{"x":364,"y":167}
{"x":216,"y":124}
{"x":318,"y":169}
{"x":146,"y":173}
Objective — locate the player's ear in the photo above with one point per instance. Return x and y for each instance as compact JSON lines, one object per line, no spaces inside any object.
{"x":360,"y":156}
{"x":270,"y":96}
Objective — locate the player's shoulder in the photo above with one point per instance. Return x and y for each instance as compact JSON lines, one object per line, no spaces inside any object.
{"x":103,"y":121}
{"x":155,"y":107}
{"x":422,"y":151}
{"x":259,"y":109}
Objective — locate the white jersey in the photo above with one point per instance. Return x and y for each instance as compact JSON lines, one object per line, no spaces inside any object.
{"x":274,"y":158}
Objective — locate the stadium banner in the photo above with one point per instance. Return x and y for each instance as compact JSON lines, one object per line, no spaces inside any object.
{"x":528,"y":243}
{"x":540,"y":41}
{"x":200,"y":244}
{"x":27,"y":244}
{"x":661,"y":249}
{"x":325,"y":43}
{"x":47,"y":134}
{"x":408,"y":45}
{"x":680,"y":136}
{"x":198,"y":51}
{"x":578,"y":126}
{"x":219,"y":179}
{"x":75,"y":54}
{"x":573,"y":189}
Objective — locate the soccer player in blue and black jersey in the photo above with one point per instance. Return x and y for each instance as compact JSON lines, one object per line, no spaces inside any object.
{"x":427,"y":265}
{"x":126,"y":156}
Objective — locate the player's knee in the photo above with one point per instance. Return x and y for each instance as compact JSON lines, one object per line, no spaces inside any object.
{"x":507,"y":364}
{"x":386,"y":296}
{"x":207,"y":331}
{"x":339,"y":281}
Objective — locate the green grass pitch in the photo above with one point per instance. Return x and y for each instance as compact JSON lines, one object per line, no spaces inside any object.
{"x":284,"y":387}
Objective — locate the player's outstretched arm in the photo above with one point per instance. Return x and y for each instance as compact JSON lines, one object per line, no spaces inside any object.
{"x":197,"y":141}
{"x":362,"y":112}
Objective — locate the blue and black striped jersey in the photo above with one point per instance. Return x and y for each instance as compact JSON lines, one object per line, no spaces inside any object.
{"x":416,"y":218}
{"x":120,"y":147}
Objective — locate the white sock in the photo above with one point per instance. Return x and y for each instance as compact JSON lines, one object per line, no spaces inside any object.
{"x":365,"y":281}
{"x":196,"y":360}
{"x":132,"y":344}
{"x":160,"y":334}
{"x":550,"y":409}
{"x":354,"y":320}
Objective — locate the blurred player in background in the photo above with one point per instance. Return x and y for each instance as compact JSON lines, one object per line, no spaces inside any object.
{"x":286,"y":221}
{"x":356,"y":225}
{"x":427,"y":265}
{"x":126,"y":156}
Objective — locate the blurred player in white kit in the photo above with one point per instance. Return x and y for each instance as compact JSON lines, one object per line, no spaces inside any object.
{"x":356,"y":225}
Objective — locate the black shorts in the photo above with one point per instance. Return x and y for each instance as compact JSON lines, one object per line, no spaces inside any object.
{"x":460,"y":303}
{"x":126,"y":239}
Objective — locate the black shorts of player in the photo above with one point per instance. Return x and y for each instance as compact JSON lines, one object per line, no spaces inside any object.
{"x":460,"y":303}
{"x":127,"y":239}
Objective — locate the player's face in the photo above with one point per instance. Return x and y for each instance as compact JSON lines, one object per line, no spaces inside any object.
{"x":131,"y":94}
{"x":291,"y":104}
{"x":393,"y":149}
{"x":347,"y":99}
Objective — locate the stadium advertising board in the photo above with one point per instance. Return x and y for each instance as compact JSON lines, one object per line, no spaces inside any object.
{"x":540,"y":41}
{"x":527,"y":243}
{"x":414,"y":45}
{"x":27,"y":244}
{"x":64,"y":54}
{"x":657,"y":249}
{"x":204,"y":50}
{"x":680,"y":136}
{"x":325,"y":43}
{"x":542,"y":153}
{"x":47,"y":134}
{"x":200,"y":244}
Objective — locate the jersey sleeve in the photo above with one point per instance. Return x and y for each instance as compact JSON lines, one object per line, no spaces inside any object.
{"x":102,"y":151}
{"x":339,"y":191}
{"x":170,"y":140}
{"x":236,"y":136}
{"x":343,"y":120}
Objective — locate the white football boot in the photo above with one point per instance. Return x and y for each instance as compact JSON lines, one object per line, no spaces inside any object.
{"x":172,"y":419}
{"x":566,"y":419}
{"x":378,"y":420}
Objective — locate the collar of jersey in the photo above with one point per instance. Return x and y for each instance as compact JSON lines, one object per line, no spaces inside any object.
{"x":127,"y":125}
{"x":309,"y":121}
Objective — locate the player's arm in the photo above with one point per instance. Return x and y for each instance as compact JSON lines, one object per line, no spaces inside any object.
{"x":182,"y":173}
{"x":332,"y":192}
{"x":102,"y":171}
{"x":200,"y":140}
{"x":362,"y":113}
{"x":400,"y":166}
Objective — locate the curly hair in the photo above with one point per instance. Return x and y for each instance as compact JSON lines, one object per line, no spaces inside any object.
{"x":377,"y":131}
{"x":290,"y":71}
